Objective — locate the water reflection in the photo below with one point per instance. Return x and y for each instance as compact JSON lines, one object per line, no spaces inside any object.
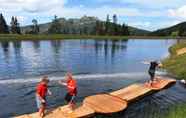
{"x":118,"y":46}
{"x":5,"y":46}
{"x":110,"y":48}
{"x":17,"y":49}
{"x":56,"y":45}
{"x":36,"y":46}
{"x":17,"y":61}
{"x":26,"y":58}
{"x":17,"y":44}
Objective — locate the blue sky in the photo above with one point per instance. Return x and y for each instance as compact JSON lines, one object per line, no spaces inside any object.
{"x":146,"y":14}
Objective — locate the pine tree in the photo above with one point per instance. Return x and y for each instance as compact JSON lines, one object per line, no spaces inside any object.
{"x":115,"y":20}
{"x":107,"y":25}
{"x":3,"y":26}
{"x":115,"y":26}
{"x":55,"y":26}
{"x":182,"y":30}
{"x":12,"y":27}
{"x":15,"y":28}
{"x":18,"y":29}
{"x":100,"y":28}
{"x":125,"y":30}
{"x":35,"y":27}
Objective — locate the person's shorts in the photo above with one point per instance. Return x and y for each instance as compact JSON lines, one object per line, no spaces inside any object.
{"x":69,"y":98}
{"x":39,"y":103}
{"x":152,"y":73}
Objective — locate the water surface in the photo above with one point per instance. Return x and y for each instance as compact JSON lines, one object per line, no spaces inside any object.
{"x":98,"y":65}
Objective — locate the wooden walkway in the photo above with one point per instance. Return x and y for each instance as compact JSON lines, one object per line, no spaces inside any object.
{"x":107,"y":103}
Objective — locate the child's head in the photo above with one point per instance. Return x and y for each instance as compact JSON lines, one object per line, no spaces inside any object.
{"x":45,"y":79}
{"x":69,"y":76}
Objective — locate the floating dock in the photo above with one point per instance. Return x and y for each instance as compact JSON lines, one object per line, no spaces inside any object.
{"x":107,"y":103}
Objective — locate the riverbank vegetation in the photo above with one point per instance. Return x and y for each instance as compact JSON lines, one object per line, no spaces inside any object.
{"x":176,"y":64}
{"x":177,"y":111}
{"x":10,"y":37}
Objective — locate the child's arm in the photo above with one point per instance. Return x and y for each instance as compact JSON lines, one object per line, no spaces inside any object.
{"x":160,"y":65}
{"x":62,"y":83}
{"x":41,"y":99}
{"x":49,"y":92}
{"x":145,"y":62}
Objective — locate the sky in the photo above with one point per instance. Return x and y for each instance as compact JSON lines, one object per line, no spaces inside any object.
{"x":146,"y":14}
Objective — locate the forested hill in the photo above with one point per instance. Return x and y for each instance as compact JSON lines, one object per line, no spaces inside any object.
{"x":84,"y":25}
{"x":176,"y":30}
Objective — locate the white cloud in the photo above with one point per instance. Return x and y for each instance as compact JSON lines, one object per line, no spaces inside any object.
{"x":26,"y":10}
{"x":178,"y":13}
{"x":30,"y":5}
{"x":150,"y":3}
{"x":152,"y":26}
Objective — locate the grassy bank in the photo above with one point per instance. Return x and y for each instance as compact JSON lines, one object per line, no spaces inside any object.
{"x":55,"y":37}
{"x":176,"y":64}
{"x":62,"y":36}
{"x":178,"y":111}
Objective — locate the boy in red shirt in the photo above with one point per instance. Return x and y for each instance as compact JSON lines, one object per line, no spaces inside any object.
{"x":41,"y":92}
{"x":71,"y":85}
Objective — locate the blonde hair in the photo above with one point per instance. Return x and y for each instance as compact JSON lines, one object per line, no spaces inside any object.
{"x":45,"y":79}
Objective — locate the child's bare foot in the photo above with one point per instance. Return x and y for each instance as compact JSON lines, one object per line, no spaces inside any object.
{"x":147,"y":84}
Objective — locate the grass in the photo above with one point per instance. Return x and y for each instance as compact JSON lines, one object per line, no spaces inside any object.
{"x":175,"y":64}
{"x":63,"y":36}
{"x":178,"y":111}
{"x":55,"y":37}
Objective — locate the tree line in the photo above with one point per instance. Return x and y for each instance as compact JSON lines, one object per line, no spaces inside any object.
{"x":98,"y":27}
{"x":111,"y":28}
{"x":14,"y":26}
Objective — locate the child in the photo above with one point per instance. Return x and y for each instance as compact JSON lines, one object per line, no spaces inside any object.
{"x":41,"y":92}
{"x":71,"y":85}
{"x":152,"y":70}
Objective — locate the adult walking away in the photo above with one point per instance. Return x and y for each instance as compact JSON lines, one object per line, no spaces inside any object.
{"x":41,"y":93}
{"x":71,"y":86}
{"x":152,"y":71}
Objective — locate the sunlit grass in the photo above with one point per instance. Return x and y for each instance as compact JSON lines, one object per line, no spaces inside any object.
{"x":72,"y":36}
{"x":177,"y":112}
{"x":55,"y":36}
{"x":176,"y":64}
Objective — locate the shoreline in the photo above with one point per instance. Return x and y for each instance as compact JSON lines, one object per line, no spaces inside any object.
{"x":176,"y":64}
{"x":12,"y":37}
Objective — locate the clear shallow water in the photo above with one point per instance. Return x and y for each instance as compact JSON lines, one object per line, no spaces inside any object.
{"x":100,"y":66}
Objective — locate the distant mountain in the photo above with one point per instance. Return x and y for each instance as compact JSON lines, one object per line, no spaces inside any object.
{"x":179,"y":29}
{"x":75,"y":26}
{"x":138,"y":32}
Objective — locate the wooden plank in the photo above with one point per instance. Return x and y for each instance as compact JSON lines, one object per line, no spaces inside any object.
{"x":63,"y":112}
{"x":162,"y":83}
{"x":132,"y":92}
{"x":105,"y":103}
{"x":84,"y":111}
